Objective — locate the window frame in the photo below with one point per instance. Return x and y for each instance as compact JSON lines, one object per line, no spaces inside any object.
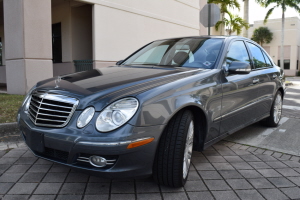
{"x":262,"y":52}
{"x":217,"y":63}
{"x":229,"y":46}
{"x":267,"y":57}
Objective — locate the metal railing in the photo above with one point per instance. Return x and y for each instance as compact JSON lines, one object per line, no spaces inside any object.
{"x":83,"y":65}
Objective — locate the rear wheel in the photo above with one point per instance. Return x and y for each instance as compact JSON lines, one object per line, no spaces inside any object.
{"x":276,"y":111}
{"x":174,"y":153}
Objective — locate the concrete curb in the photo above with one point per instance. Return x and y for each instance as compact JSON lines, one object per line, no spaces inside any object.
{"x":288,"y":84}
{"x":9,"y":129}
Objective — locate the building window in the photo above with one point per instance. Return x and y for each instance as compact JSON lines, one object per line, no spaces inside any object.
{"x":286,"y":64}
{"x":297,"y":64}
{"x":56,"y":43}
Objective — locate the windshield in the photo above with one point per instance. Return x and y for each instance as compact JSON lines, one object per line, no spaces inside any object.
{"x":186,"y":52}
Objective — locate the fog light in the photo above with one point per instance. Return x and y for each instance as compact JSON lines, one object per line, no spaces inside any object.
{"x":97,"y":161}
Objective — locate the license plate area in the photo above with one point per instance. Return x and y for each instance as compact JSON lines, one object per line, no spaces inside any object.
{"x":35,"y":141}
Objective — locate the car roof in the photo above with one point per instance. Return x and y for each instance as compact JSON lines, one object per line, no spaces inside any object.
{"x":207,"y":36}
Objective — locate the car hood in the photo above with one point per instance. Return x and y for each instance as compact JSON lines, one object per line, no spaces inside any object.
{"x":113,"y":82}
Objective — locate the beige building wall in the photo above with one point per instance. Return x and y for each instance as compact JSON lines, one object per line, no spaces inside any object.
{"x":105,"y":31}
{"x":3,"y":67}
{"x":76,"y":33}
{"x":82,"y":32}
{"x":27,"y":25}
{"x":61,"y":13}
{"x":121,"y":27}
{"x":291,"y":40}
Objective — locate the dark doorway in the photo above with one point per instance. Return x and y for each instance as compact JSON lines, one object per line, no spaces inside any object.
{"x":56,"y":43}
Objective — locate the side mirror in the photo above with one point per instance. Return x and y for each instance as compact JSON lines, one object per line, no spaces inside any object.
{"x":119,"y":62}
{"x":237,"y":67}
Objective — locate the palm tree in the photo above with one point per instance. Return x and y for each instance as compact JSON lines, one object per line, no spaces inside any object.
{"x":262,"y":35}
{"x":233,"y":24}
{"x":283,"y":5}
{"x":224,"y":5}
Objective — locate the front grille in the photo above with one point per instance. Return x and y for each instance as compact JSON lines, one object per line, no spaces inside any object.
{"x":51,"y":110}
{"x":56,"y":154}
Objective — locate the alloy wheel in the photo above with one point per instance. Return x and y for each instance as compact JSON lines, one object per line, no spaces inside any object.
{"x":277,"y":108}
{"x":188,"y":150}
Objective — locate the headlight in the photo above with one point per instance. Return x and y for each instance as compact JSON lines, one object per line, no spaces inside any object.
{"x":117,"y":114}
{"x":27,"y":98}
{"x":85,"y":117}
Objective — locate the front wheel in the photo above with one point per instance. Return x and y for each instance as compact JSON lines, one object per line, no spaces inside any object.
{"x":174,"y":153}
{"x":276,"y":111}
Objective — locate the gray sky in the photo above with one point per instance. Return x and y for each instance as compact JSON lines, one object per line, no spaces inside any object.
{"x":256,"y":12}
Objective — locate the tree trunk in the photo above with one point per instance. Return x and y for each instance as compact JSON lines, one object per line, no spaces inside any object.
{"x":222,"y":25}
{"x":246,"y":17}
{"x":282,"y":41}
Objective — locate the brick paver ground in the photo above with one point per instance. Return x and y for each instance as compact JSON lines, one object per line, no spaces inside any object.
{"x":223,"y":171}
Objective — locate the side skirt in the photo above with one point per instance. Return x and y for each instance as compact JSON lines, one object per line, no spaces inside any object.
{"x":217,"y":139}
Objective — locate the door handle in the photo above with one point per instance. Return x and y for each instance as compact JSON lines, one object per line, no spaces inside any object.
{"x":274,"y":76}
{"x":255,"y":80}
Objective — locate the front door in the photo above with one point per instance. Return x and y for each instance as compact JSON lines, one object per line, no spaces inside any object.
{"x":239,"y":92}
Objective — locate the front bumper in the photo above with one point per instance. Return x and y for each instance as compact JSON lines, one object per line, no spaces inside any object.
{"x":66,"y":145}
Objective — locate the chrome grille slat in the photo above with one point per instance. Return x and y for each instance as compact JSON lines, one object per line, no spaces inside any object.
{"x":51,"y":110}
{"x":57,"y":105}
{"x":31,"y":108}
{"x":55,"y":110}
{"x":35,"y":105}
{"x":32,"y":113}
{"x":52,"y":105}
{"x":50,"y":120}
{"x":52,"y":115}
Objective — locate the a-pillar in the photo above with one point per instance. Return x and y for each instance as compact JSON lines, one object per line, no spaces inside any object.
{"x":27,"y":29}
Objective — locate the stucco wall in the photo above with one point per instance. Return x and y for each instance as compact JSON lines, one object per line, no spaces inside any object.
{"x":291,"y":40}
{"x":82,"y":47}
{"x":27,"y":28}
{"x":63,"y":68}
{"x":121,"y":27}
{"x":62,"y":14}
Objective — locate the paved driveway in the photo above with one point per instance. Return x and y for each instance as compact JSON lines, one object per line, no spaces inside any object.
{"x":285,"y":137}
{"x":224,"y":171}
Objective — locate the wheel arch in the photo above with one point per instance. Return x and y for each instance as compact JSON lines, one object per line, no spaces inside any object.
{"x":281,"y":90}
{"x":200,"y":126}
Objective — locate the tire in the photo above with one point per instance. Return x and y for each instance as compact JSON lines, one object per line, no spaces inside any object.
{"x":275,"y":113}
{"x":174,"y":152}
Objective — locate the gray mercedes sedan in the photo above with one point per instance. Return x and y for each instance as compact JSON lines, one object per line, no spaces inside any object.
{"x":145,"y":115}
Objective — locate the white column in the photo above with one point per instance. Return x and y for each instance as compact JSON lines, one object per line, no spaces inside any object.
{"x":27,"y":29}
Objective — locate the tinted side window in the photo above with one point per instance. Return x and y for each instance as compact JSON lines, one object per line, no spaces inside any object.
{"x":237,"y":52}
{"x":258,"y":58}
{"x":268,"y":62}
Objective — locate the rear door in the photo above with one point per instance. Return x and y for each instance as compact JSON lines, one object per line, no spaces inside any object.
{"x":239,"y":92}
{"x":267,"y":75}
